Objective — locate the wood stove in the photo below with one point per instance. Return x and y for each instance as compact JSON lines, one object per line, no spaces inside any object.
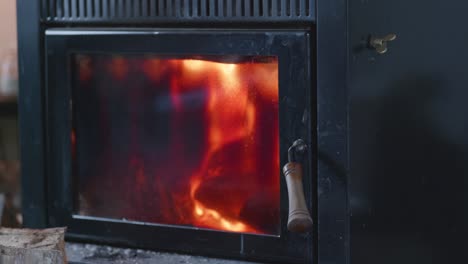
{"x":166,"y":124}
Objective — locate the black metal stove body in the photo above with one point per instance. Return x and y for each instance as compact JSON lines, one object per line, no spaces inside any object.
{"x":310,"y":108}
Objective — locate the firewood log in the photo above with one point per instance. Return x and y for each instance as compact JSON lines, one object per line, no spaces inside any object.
{"x":32,"y":246}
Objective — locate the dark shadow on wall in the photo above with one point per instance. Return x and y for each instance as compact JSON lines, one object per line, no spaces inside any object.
{"x":409,"y":175}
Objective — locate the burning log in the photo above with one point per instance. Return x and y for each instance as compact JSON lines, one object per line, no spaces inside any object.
{"x":32,"y":246}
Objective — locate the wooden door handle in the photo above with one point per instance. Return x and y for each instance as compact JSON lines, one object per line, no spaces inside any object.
{"x":299,"y":219}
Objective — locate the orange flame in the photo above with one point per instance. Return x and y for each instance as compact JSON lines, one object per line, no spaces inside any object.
{"x":231,"y":117}
{"x":233,"y":184}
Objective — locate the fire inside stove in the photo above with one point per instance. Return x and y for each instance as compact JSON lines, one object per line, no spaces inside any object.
{"x":191,"y":141}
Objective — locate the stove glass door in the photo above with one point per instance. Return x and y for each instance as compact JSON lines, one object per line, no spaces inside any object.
{"x":191,"y":140}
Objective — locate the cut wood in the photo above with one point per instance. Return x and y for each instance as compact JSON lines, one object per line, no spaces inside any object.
{"x":19,"y":246}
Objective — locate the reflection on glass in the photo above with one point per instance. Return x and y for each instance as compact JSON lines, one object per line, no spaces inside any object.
{"x":181,"y":141}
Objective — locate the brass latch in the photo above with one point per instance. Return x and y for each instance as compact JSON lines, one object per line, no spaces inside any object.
{"x":380,"y":44}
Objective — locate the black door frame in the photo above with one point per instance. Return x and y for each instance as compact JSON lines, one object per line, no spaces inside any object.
{"x":292,"y":49}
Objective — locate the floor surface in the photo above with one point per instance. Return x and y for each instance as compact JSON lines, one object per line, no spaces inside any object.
{"x":93,"y":254}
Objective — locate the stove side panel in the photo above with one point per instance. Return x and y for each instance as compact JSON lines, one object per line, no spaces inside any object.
{"x":31,"y":118}
{"x":408,"y":133}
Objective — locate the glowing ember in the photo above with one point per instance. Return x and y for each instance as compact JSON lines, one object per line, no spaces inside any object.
{"x":179,"y":141}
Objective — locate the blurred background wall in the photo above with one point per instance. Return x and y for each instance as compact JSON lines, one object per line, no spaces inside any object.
{"x":8,"y":24}
{"x":9,"y":164}
{"x":8,"y":43}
